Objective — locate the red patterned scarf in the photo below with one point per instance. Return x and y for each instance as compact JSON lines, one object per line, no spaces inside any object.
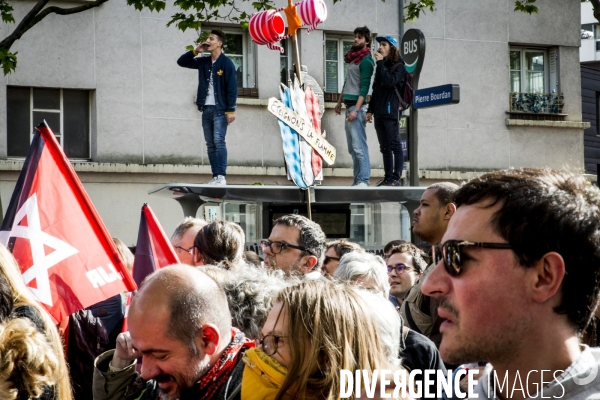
{"x":358,"y":55}
{"x":217,"y":376}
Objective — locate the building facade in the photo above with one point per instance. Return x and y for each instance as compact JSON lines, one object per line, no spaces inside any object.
{"x":589,"y":54}
{"x":590,"y":35}
{"x":107,"y":82}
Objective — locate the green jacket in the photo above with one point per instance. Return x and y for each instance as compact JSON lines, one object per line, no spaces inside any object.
{"x":125,"y":384}
{"x":358,"y":79}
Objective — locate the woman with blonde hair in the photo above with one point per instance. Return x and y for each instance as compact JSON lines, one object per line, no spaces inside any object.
{"x":26,"y":306}
{"x":28,"y":364}
{"x":314,"y":330}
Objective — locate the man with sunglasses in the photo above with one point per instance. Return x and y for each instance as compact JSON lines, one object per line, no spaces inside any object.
{"x":296,"y":245}
{"x":517,"y":281}
{"x":335,"y":251}
{"x":183,"y":238}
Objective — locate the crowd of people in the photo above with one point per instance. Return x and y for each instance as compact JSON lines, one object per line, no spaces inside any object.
{"x":510,"y":285}
{"x":382,"y":71}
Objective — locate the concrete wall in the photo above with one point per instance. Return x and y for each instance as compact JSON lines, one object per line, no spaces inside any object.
{"x":468,"y":44}
{"x":145,"y":106}
{"x":144,"y":111}
{"x":588,"y":52}
{"x":587,"y":13}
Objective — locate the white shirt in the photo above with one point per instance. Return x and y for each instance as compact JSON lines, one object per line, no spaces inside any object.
{"x":210,"y":96}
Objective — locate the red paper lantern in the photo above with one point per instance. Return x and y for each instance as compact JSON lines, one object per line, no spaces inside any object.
{"x":312,"y":12}
{"x":267,"y":27}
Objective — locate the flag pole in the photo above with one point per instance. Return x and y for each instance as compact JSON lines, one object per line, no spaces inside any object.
{"x":294,"y":22}
{"x":308,"y":203}
{"x":297,"y":57}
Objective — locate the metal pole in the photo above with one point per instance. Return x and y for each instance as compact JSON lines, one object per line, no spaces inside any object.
{"x":308,"y":204}
{"x":297,"y":59}
{"x":413,"y":142}
{"x":400,"y":18}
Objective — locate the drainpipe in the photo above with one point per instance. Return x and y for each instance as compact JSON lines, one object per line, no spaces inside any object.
{"x":400,"y":18}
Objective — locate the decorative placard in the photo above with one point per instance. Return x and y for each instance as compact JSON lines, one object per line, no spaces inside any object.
{"x":304,"y":129}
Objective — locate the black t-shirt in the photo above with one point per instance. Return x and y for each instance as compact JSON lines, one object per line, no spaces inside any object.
{"x":420,"y":353}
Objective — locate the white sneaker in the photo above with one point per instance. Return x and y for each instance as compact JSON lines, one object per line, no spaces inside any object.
{"x":217,"y":180}
{"x":361,"y":184}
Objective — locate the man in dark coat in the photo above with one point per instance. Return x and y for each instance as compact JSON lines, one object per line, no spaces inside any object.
{"x":216,"y":98}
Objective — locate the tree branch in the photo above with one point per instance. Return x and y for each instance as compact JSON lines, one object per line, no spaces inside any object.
{"x":21,"y":28}
{"x":66,"y":11}
{"x":35,"y":15}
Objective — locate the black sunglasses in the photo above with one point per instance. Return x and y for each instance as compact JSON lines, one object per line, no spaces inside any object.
{"x":327,"y":259}
{"x":451,"y":253}
{"x":277,"y":247}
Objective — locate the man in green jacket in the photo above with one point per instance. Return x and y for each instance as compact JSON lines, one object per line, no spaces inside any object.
{"x":180,"y":325}
{"x":358,"y":80}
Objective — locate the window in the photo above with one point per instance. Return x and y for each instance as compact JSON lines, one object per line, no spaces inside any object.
{"x":335,"y":67}
{"x":67,"y":112}
{"x":528,"y":71}
{"x":587,"y":31}
{"x":238,"y":48}
{"x":598,"y":115}
{"x":285,"y":62}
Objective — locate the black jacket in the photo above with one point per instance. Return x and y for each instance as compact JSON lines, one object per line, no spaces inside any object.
{"x":224,"y":80}
{"x":384,"y":100}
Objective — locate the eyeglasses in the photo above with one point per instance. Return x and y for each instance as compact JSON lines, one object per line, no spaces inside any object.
{"x":190,"y":250}
{"x":400,"y":268}
{"x":270,"y":343}
{"x":451,"y":252}
{"x":327,"y":259}
{"x":277,"y":247}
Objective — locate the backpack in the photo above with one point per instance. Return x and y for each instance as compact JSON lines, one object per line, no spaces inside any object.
{"x":405,"y":93}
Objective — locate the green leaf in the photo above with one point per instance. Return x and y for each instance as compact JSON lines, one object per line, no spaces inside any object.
{"x":414,"y":9}
{"x":6,"y":12}
{"x":152,"y":5}
{"x":8,"y":61}
{"x":526,"y":6}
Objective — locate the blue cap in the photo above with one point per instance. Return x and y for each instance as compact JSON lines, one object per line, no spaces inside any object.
{"x":389,"y":39}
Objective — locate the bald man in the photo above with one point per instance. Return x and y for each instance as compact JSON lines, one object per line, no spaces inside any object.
{"x":179,"y":323}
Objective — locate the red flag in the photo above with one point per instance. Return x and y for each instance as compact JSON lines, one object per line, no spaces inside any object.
{"x":153,"y":250}
{"x":67,"y":257}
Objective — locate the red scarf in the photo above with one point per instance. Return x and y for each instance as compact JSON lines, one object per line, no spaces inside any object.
{"x":357,"y":56}
{"x":217,"y":376}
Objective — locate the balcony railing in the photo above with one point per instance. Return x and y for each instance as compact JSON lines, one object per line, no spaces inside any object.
{"x":537,"y":103}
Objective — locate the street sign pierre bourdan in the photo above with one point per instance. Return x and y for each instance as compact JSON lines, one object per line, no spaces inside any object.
{"x":437,"y":96}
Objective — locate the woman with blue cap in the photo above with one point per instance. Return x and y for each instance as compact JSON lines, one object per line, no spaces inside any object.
{"x":384,"y":106}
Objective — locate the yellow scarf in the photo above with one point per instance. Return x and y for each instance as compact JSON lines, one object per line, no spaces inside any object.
{"x":263,"y":376}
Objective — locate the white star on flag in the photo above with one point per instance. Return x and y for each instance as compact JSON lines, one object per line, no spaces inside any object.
{"x":37,"y":239}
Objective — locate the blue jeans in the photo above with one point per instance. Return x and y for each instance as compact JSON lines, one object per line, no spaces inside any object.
{"x":214,"y":124}
{"x":356,"y":136}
